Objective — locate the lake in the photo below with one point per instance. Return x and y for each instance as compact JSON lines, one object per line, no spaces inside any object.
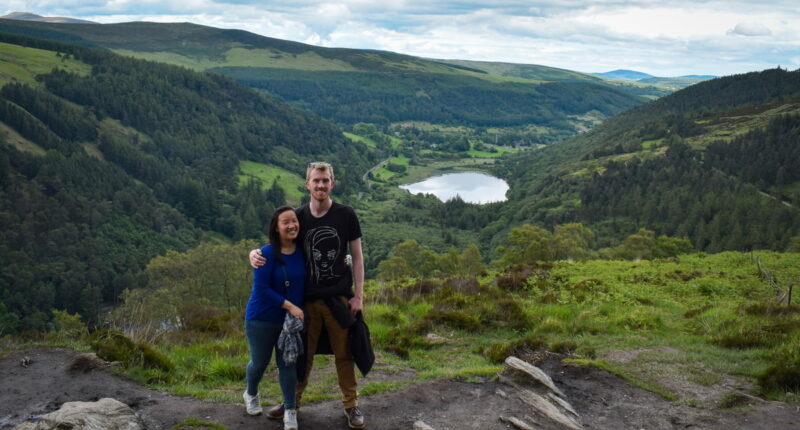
{"x":473,"y":187}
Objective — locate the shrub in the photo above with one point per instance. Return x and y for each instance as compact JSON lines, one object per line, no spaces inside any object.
{"x":563,"y":347}
{"x":454,"y":319}
{"x":640,"y":319}
{"x":784,"y":374}
{"x":732,"y":400}
{"x":223,"y":369}
{"x":69,"y":326}
{"x":111,"y":345}
{"x":513,"y":314}
{"x":512,"y":282}
{"x":528,"y":345}
{"x":209,"y":320}
{"x":691,"y":313}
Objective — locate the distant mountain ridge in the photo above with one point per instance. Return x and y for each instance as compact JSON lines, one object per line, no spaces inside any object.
{"x":27,"y":16}
{"x":624,"y":75}
{"x":350,"y":85}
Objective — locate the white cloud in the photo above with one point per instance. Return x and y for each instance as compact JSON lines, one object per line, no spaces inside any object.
{"x":750,"y":29}
{"x":670,"y":37}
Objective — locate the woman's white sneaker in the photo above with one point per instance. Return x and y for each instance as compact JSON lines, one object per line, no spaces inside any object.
{"x":252,"y":403}
{"x":290,"y":419}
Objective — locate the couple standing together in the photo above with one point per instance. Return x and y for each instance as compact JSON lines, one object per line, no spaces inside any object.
{"x":302,"y":277}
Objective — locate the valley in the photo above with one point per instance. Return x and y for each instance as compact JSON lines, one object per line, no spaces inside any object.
{"x":136,"y":173}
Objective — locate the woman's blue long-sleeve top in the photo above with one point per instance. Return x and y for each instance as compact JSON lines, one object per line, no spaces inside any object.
{"x":269,"y":292}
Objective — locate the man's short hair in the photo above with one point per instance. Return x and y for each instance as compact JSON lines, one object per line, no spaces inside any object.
{"x":319,"y":165}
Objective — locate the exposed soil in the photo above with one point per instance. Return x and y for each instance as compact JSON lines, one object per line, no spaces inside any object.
{"x":603,"y":401}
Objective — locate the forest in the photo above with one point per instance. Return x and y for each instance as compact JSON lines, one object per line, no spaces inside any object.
{"x":350,"y":97}
{"x":135,"y":159}
{"x":139,"y":158}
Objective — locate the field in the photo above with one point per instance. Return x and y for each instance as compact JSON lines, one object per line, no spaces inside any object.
{"x":21,"y":64}
{"x":292,"y":183}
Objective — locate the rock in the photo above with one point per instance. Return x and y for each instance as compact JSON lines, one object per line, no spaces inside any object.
{"x":563,"y":403}
{"x":548,"y":409}
{"x":86,"y":362}
{"x":25,"y":362}
{"x":104,"y":414}
{"x":516,"y":422}
{"x":534,"y":372}
{"x":435,"y":339}
{"x":420,"y":425}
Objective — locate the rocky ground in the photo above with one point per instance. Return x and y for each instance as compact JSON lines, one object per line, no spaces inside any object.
{"x":603,"y":401}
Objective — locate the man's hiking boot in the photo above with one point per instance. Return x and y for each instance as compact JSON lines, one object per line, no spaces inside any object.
{"x":355,"y":418}
{"x":277,"y":412}
{"x":252,"y":403}
{"x":290,"y":419}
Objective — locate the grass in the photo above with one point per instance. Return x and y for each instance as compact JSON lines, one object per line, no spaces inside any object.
{"x":486,"y":154}
{"x":243,"y":57}
{"x":21,"y":64}
{"x":652,"y":323}
{"x":16,"y":140}
{"x":365,"y":140}
{"x":292,"y":183}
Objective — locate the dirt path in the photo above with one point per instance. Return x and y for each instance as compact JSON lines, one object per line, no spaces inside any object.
{"x":603,"y":400}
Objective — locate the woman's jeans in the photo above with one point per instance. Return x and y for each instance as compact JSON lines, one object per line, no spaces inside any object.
{"x":262,"y":337}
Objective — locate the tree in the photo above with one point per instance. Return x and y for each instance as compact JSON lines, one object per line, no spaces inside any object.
{"x":666,"y":246}
{"x":794,"y":244}
{"x":471,"y":262}
{"x":572,"y":241}
{"x":394,"y":268}
{"x":526,"y":245}
{"x":639,"y":245}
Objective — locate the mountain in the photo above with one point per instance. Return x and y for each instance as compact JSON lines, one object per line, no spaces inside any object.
{"x":107,"y":161}
{"x":544,"y":73}
{"x":27,"y":16}
{"x":668,"y":84}
{"x":716,"y":162}
{"x":624,"y":75}
{"x":350,"y":86}
{"x":701,"y":77}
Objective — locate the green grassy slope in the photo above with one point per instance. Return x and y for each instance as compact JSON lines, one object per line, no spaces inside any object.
{"x":349,"y":85}
{"x":636,"y":142}
{"x":22,"y":64}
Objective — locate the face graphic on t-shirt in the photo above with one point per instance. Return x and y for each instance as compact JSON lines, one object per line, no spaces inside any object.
{"x":322,"y":246}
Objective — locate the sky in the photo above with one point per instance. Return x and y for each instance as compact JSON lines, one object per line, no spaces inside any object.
{"x":665,"y":38}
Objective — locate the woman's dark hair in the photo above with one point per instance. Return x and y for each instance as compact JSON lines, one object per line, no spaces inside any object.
{"x":274,"y":237}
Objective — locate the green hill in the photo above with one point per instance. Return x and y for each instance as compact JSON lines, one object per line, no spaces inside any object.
{"x":349,"y":85}
{"x":650,"y":90}
{"x":716,"y":162}
{"x":108,"y":161}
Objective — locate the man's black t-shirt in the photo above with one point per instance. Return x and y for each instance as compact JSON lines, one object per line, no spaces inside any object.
{"x":325,"y":241}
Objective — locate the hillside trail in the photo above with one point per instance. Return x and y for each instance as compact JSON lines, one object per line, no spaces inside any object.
{"x":603,"y":401}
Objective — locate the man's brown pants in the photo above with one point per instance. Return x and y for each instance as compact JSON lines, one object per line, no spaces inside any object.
{"x":318,"y":317}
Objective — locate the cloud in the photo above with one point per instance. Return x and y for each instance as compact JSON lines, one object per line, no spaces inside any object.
{"x":671,"y":37}
{"x":750,"y":29}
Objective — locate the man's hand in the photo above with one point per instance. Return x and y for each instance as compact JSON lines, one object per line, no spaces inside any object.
{"x":356,"y":304}
{"x":256,"y":260}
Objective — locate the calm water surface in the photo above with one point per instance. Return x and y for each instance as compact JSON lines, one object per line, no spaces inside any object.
{"x":473,"y":187}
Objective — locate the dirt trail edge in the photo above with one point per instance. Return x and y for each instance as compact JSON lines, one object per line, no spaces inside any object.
{"x":602,"y":400}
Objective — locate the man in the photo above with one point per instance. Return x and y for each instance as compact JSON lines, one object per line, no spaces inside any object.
{"x":327,"y":229}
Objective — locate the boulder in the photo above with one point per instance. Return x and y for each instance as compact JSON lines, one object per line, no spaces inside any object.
{"x":104,"y":414}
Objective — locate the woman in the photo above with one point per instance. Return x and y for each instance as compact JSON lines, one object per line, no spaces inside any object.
{"x":278,"y":288}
